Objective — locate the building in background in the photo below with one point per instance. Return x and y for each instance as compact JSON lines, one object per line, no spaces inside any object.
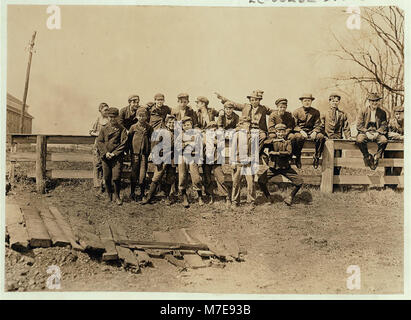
{"x":13,"y":116}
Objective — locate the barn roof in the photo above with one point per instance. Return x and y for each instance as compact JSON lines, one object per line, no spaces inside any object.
{"x":14,"y":105}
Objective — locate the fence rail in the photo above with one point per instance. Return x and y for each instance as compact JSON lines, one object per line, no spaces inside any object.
{"x":337,"y":153}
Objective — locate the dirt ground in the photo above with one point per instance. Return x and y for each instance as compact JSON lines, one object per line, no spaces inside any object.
{"x":304,"y":249}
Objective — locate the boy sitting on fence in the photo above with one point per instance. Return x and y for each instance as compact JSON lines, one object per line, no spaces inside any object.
{"x":140,"y":136}
{"x":280,"y":157}
{"x":111,"y":143}
{"x":396,"y":124}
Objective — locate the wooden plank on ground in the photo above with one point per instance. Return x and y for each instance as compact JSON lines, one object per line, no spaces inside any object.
{"x":108,"y":242}
{"x":89,"y":239}
{"x":213,"y":246}
{"x":128,"y":256}
{"x":143,"y":258}
{"x":36,"y":230}
{"x":157,"y":253}
{"x":58,"y":237}
{"x":18,"y":237}
{"x":118,"y":232}
{"x":65,"y":227}
{"x":166,"y":237}
{"x":193,"y":260}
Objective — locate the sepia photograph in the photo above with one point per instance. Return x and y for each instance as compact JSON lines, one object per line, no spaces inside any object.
{"x":204,"y":149}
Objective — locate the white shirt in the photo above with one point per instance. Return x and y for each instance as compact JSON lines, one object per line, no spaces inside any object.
{"x":372,"y":118}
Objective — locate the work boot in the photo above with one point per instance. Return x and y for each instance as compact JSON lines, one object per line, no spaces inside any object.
{"x":235,"y":205}
{"x":371,"y":162}
{"x":376,"y":160}
{"x":265,"y":191}
{"x":151,"y":193}
{"x":142,"y":191}
{"x":212,"y":199}
{"x":298,"y":162}
{"x":185,"y":201}
{"x":117,"y":193}
{"x":109,"y":196}
{"x":288,"y":200}
{"x":119,"y":202}
{"x":200,"y":198}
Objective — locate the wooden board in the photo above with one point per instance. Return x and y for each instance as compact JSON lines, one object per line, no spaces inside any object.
{"x":143,"y":258}
{"x":129,"y":258}
{"x":36,"y":230}
{"x":350,"y":145}
{"x":108,"y":242}
{"x":18,"y":237}
{"x":58,"y":238}
{"x":157,"y":253}
{"x":371,"y":180}
{"x":192,"y":260}
{"x":359,"y":162}
{"x":65,"y":227}
{"x":167,"y":237}
{"x":89,"y":239}
{"x":118,"y":232}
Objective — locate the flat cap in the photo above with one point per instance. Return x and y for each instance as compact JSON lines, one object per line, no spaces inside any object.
{"x":133,"y":97}
{"x":399,"y":109}
{"x":229,"y":104}
{"x":113,"y":111}
{"x":281,"y":100}
{"x":182,"y":95}
{"x":170,"y":117}
{"x":159,"y":96}
{"x":186,"y":118}
{"x":307,"y":96}
{"x":280,"y":126}
{"x":258,"y":94}
{"x":373,"y":96}
{"x":334,"y":94}
{"x":102,"y":105}
{"x":202,"y":99}
{"x":211,"y":125}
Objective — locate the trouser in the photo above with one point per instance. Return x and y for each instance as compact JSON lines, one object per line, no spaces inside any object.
{"x":208,"y":169}
{"x":139,"y":163}
{"x":362,"y":141}
{"x":297,"y":143}
{"x":238,"y":173}
{"x":185,"y":169}
{"x":97,"y":169}
{"x":289,"y":173}
{"x":112,"y":172}
{"x":164,"y":174}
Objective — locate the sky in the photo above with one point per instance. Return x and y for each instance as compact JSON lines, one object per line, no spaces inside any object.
{"x":106,"y":53}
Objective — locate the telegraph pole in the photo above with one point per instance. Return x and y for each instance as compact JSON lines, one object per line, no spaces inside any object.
{"x":26,"y":86}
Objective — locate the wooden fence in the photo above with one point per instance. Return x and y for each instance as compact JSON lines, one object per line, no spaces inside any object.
{"x":337,"y":154}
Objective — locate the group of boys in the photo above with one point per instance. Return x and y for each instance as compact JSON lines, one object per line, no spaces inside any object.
{"x":130,"y":130}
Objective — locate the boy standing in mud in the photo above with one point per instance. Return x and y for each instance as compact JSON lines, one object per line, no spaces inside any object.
{"x":139,"y":137}
{"x":111,"y":143}
{"x":280,"y":157}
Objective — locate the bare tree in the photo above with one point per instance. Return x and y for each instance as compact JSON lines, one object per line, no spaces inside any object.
{"x":377,"y":51}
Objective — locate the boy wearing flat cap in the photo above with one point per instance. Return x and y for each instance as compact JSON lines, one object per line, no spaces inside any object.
{"x":158,"y":112}
{"x":213,"y":169}
{"x":205,"y":114}
{"x":241,"y":168}
{"x":140,"y":142}
{"x":165,"y":172}
{"x":280,"y":158}
{"x":184,"y":110}
{"x":281,"y":115}
{"x":334,"y":121}
{"x":253,"y":110}
{"x":307,"y":125}
{"x":227,"y":118}
{"x":127,"y":115}
{"x":372,"y":126}
{"x":186,"y":167}
{"x":111,"y":143}
{"x":396,"y":124}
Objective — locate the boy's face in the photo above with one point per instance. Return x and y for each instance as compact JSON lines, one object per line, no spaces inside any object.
{"x":142,"y":117}
{"x":228,"y":111}
{"x":134,"y":103}
{"x":398,"y":116}
{"x":201,"y":104}
{"x":170,"y":124}
{"x":187,"y":125}
{"x":282,"y":108}
{"x":334,"y":102}
{"x":374,"y":104}
{"x":182,"y":103}
{"x":159,"y":102}
{"x":112,"y":119}
{"x":104,"y":111}
{"x":280,"y":133}
{"x":306,"y":103}
{"x":254,"y":102}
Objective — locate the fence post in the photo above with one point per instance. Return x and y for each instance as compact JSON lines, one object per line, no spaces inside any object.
{"x":13,"y":149}
{"x":327,"y":175}
{"x":41,"y":156}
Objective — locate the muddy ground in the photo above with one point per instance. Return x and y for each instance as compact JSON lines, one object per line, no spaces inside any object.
{"x":303,"y":249}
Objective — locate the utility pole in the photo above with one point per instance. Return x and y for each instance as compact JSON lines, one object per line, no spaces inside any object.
{"x":26,"y":86}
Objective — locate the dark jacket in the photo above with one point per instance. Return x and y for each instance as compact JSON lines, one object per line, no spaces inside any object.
{"x":112,"y":139}
{"x":225,"y":123}
{"x":127,"y":117}
{"x":286,"y":118}
{"x":202,"y":121}
{"x":307,"y":120}
{"x":363,"y":121}
{"x":140,"y":137}
{"x":335,"y":125}
{"x":395,"y":126}
{"x":158,"y":115}
{"x":189,"y":112}
{"x":283,"y":159}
